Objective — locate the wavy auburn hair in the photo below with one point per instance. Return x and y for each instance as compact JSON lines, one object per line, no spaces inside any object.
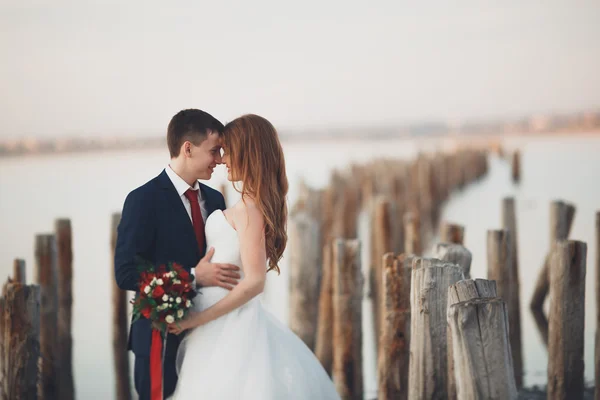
{"x":257,"y":161}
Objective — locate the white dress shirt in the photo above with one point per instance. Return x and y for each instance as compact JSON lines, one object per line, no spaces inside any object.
{"x":181,"y":186}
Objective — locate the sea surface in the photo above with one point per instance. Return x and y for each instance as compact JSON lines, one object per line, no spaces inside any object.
{"x":89,"y":187}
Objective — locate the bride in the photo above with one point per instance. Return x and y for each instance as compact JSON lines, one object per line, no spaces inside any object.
{"x":236,"y":349}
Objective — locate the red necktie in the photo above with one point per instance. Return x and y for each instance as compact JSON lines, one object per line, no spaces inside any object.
{"x":197,"y":221}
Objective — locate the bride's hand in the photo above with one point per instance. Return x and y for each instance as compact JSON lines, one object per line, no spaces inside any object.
{"x":180,"y":326}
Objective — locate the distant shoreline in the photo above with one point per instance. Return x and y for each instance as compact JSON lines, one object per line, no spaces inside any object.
{"x":71,"y":146}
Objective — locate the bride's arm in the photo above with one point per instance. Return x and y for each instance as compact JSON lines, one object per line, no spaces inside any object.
{"x":250,"y":227}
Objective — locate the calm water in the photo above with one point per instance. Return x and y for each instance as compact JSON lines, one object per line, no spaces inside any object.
{"x":87,"y":188}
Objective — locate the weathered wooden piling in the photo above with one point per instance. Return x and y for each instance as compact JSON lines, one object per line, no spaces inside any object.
{"x":480,"y":345}
{"x":380,"y":245}
{"x":461,"y":256}
{"x":66,"y":386}
{"x":21,"y":323}
{"x":561,"y":219}
{"x":412,"y":237}
{"x":324,"y":340}
{"x":597,"y":343}
{"x":347,"y":319}
{"x":500,"y":259}
{"x":509,"y":222}
{"x":3,"y":356}
{"x":455,"y":254}
{"x":393,"y":351}
{"x":305,"y":276}
{"x":120,"y":324}
{"x":47,"y":276}
{"x":452,"y":233}
{"x":19,"y":273}
{"x":428,"y":369}
{"x":516,"y":166}
{"x":566,"y":320}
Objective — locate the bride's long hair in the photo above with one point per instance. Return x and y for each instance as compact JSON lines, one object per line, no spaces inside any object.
{"x":257,"y":161}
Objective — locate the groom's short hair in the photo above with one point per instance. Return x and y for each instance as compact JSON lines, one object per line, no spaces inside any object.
{"x":193,"y":125}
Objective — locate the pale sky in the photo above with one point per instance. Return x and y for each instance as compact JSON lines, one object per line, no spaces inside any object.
{"x":103,"y":67}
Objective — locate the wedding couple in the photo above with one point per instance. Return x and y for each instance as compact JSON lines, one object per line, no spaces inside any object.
{"x":230,"y":347}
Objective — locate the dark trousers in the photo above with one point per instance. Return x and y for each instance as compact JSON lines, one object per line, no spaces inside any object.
{"x":141,"y":373}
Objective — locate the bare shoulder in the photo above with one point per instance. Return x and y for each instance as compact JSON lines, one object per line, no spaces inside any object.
{"x":247,"y":215}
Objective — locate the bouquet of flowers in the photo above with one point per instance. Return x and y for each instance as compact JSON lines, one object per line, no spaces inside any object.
{"x":166,"y":294}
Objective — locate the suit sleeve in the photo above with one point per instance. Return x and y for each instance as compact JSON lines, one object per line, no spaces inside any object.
{"x":135,"y":236}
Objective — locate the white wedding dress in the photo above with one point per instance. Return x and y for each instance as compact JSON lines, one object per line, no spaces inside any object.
{"x":246,"y":354}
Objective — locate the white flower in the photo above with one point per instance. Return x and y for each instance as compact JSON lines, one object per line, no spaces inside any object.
{"x":176,"y":281}
{"x":153,"y":281}
{"x":159,"y":282}
{"x":171,"y":300}
{"x":178,"y":300}
{"x":165,"y":297}
{"x":188,"y":303}
{"x":169,"y":319}
{"x":147,"y":289}
{"x":179,"y":314}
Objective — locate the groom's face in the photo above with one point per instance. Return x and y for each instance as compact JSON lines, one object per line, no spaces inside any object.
{"x":206,"y":156}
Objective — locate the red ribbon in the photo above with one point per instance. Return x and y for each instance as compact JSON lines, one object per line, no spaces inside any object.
{"x":156,"y":389}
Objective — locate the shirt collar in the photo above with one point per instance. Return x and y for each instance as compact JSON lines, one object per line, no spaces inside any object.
{"x":180,"y":185}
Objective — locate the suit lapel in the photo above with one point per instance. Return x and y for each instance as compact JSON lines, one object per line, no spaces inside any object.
{"x":180,"y":215}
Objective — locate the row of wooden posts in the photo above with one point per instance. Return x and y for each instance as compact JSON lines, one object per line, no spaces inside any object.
{"x":421,"y":305}
{"x":327,"y":268}
{"x":36,"y":319}
{"x":36,"y":360}
{"x":440,"y":333}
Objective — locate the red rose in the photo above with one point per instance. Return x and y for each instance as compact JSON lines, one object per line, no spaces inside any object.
{"x":146,"y":312}
{"x":158,"y":292}
{"x":185,"y":276}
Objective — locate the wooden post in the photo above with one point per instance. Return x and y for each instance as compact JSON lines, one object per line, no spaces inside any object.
{"x":394,"y":343}
{"x":478,"y":322}
{"x":500,"y":259}
{"x":324,"y":345}
{"x":452,"y":233}
{"x":305,"y":245}
{"x":22,"y":349}
{"x":516,"y":166}
{"x":461,"y":256}
{"x":347,"y":319}
{"x":120,"y":324}
{"x":561,"y":218}
{"x":597,"y":344}
{"x":380,"y":245}
{"x":412,"y":236}
{"x":223,"y":190}
{"x":428,"y":369}
{"x":66,"y":387}
{"x":3,"y":340}
{"x":566,"y":320}
{"x":455,"y":254}
{"x":19,"y":275}
{"x":45,"y":253}
{"x":509,"y":222}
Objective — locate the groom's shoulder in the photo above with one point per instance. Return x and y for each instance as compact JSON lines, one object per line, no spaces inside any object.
{"x":210,"y":191}
{"x":146,"y":189}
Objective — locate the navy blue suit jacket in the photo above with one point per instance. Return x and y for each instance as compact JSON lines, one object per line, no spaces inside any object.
{"x":156,"y":227}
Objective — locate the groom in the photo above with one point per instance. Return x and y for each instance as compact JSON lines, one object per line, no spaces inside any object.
{"x":163,"y":221}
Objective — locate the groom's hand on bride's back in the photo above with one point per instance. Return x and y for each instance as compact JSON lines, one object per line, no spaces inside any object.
{"x":216,"y":274}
